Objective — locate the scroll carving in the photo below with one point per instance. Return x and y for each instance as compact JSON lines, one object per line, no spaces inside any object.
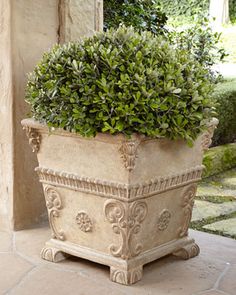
{"x":84,"y":222}
{"x":126,"y":221}
{"x":164,"y":220}
{"x":54,"y":205}
{"x":188,"y":202}
{"x":128,"y":151}
{"x":34,"y":138}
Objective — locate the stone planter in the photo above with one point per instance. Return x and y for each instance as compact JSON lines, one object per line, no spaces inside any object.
{"x":118,"y":202}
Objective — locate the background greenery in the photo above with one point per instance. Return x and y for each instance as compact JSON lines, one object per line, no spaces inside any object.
{"x":225,"y":95}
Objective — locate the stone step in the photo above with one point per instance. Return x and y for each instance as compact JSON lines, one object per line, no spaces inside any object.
{"x":205,"y":209}
{"x":227,"y":227}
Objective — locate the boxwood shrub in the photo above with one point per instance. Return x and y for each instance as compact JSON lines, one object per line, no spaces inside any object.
{"x":121,"y":81}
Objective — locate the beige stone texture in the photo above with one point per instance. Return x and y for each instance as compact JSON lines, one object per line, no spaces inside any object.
{"x":12,"y":269}
{"x":120,"y":215}
{"x":27,"y":29}
{"x":228,"y":282}
{"x":208,"y":274}
{"x":5,"y":241}
{"x":227,"y":226}
{"x":80,"y":18}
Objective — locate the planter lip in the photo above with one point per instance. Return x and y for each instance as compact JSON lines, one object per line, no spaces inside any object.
{"x":43,"y":128}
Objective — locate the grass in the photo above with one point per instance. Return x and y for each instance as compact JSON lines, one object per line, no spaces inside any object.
{"x":216,"y":199}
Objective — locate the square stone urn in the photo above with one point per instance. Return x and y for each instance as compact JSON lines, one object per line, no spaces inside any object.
{"x":117,"y":201}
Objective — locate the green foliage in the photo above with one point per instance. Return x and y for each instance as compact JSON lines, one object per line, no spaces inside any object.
{"x":121,"y":81}
{"x":232,"y":10}
{"x":202,"y":43}
{"x":141,"y":14}
{"x":225,"y":95}
{"x":186,"y":8}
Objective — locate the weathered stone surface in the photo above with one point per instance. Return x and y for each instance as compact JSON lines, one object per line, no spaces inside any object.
{"x":140,"y":222}
{"x":27,"y":29}
{"x":228,"y":282}
{"x":215,"y":247}
{"x":80,"y":18}
{"x":168,"y":276}
{"x":48,"y":281}
{"x":5,"y":241}
{"x":12,"y":269}
{"x":204,"y":209}
{"x":227,"y":226}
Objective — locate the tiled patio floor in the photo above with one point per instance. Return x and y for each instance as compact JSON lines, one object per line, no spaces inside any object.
{"x":22,"y":272}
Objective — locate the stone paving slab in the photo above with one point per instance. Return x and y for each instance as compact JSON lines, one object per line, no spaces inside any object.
{"x":227,"y":226}
{"x":204,"y":209}
{"x":211,"y":190}
{"x":22,"y":272}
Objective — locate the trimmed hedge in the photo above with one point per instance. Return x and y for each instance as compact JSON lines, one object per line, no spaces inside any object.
{"x":225,"y":96}
{"x":219,"y":159}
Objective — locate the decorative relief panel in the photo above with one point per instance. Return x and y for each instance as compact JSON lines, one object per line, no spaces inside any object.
{"x":164,"y":220}
{"x":126,"y":221}
{"x":116,"y":190}
{"x":128,"y":152}
{"x":84,"y":222}
{"x":207,"y":136}
{"x":188,"y":202}
{"x":34,"y":138}
{"x":54,"y":205}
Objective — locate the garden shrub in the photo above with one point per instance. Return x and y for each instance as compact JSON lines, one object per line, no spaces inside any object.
{"x":141,"y":14}
{"x":225,"y":95}
{"x":121,"y":81}
{"x":202,"y":43}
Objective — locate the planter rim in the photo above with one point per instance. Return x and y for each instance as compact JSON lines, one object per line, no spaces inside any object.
{"x":30,"y":122}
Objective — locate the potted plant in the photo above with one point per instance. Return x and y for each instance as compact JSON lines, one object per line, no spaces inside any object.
{"x":120,"y":122}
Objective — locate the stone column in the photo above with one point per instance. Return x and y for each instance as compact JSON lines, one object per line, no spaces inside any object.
{"x":27,"y":29}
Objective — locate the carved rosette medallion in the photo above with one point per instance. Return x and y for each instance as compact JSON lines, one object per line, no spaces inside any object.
{"x":126,"y":221}
{"x":128,"y":151}
{"x":54,"y":205}
{"x":34,"y":138}
{"x":84,"y":222}
{"x":188,"y":202}
{"x":164,"y":220}
{"x":207,"y":136}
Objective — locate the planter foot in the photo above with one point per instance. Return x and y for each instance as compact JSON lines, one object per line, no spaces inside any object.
{"x":126,"y":277}
{"x":188,"y":251}
{"x":52,"y":254}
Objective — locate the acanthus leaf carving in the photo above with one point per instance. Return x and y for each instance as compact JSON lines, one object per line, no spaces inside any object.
{"x":128,"y":150}
{"x":34,"y":138}
{"x":188,"y":202}
{"x":54,"y":205}
{"x":126,"y":220}
{"x":207,"y":136}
